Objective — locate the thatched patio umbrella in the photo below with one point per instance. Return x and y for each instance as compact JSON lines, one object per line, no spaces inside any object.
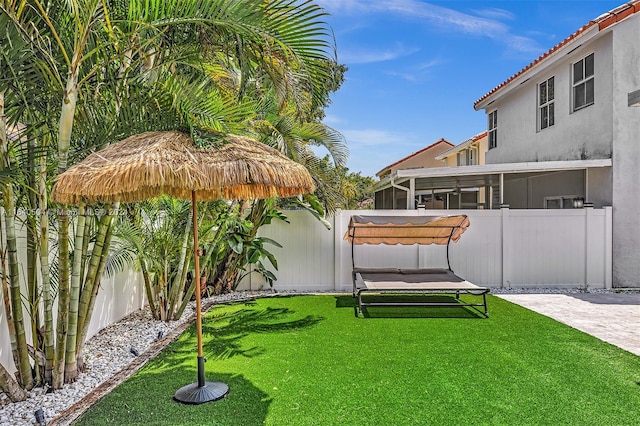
{"x":154,"y":163}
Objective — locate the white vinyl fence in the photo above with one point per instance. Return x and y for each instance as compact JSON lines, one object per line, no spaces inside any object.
{"x":501,"y":249}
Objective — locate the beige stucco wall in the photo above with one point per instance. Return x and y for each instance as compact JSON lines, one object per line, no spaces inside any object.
{"x":423,"y":159}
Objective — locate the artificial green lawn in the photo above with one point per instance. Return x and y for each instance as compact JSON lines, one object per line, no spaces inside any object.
{"x":306,"y":360}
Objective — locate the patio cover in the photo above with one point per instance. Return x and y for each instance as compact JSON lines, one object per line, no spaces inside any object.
{"x":406,"y":230}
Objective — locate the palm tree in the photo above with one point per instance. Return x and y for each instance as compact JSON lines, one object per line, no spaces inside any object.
{"x":123,"y":68}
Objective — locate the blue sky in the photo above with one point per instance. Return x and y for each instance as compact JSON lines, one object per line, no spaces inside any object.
{"x":416,"y":67}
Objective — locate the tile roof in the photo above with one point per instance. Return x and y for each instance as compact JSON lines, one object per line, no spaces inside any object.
{"x":603,"y":21}
{"x":442,"y":140}
{"x":461,"y":145}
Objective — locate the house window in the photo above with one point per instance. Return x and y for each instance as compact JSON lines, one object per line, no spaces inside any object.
{"x":472,"y":156}
{"x":546,"y":105}
{"x":493,"y":129}
{"x":462,"y":158}
{"x":467,"y":157}
{"x":583,"y":80}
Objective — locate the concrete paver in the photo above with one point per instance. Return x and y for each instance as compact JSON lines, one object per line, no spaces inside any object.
{"x":612,"y":317}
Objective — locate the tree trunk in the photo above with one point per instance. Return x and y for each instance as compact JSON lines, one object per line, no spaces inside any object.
{"x":186,"y":299}
{"x":87,"y":311}
{"x":91,"y":276}
{"x":32,"y":257}
{"x":63,"y":299}
{"x":85,"y":249}
{"x":21,"y":350}
{"x":148,"y":290}
{"x":65,"y":127}
{"x":177,"y":286}
{"x":10,"y":387}
{"x":7,"y":307}
{"x":47,"y":300}
{"x":71,"y":365}
{"x":24,"y":366}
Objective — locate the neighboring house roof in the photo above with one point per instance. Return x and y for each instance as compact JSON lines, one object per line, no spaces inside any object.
{"x":600,"y":23}
{"x":461,"y":146}
{"x":386,"y":169}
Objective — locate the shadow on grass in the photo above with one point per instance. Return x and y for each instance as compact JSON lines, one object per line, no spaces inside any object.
{"x":224,"y":330}
{"x":461,"y":312}
{"x":147,"y":399}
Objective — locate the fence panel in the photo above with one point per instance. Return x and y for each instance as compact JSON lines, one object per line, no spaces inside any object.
{"x":501,"y":248}
{"x":306,"y":259}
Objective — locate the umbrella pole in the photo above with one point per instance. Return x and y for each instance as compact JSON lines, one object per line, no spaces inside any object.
{"x":196,"y":263}
{"x":203,"y":391}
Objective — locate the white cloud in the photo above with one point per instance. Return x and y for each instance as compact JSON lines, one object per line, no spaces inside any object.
{"x":523,"y":44}
{"x":417,"y":73}
{"x":332,"y":120}
{"x":485,"y":22}
{"x":367,"y":56}
{"x":429,"y":64}
{"x":495,"y":13}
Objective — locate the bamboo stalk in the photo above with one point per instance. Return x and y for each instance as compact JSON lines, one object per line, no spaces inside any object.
{"x":23,"y":365}
{"x":63,"y":299}
{"x":71,"y":365}
{"x":10,"y":387}
{"x":96,"y":281}
{"x":44,"y":271}
{"x":86,"y":291}
{"x":32,"y":257}
{"x":178,"y":283}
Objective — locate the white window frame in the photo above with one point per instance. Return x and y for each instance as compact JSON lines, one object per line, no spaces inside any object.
{"x":461,"y":158}
{"x":472,"y":156}
{"x":566,"y":201}
{"x":467,"y":157}
{"x":492,"y":131}
{"x":546,"y":104}
{"x":583,"y":82}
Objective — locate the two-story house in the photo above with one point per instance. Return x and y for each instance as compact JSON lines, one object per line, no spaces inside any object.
{"x":572,"y":106}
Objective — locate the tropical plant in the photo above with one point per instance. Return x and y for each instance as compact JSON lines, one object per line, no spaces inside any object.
{"x":237,"y":250}
{"x":157,"y":234}
{"x":82,"y":74}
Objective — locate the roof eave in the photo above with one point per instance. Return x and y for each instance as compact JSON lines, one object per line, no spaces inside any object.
{"x":538,"y":66}
{"x":525,"y":167}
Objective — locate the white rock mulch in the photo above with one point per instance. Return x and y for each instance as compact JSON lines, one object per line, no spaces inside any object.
{"x":105,"y":354}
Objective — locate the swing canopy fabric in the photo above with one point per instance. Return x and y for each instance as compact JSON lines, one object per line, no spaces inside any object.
{"x":406,"y":230}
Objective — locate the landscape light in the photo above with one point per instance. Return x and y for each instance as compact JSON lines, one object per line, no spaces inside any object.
{"x":39,"y":415}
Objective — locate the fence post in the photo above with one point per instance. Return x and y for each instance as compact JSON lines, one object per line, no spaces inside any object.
{"x":505,"y":238}
{"x":608,"y":247}
{"x":589,"y":257}
{"x":338,"y":257}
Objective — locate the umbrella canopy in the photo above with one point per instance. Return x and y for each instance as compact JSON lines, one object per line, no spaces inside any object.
{"x":150,"y":164}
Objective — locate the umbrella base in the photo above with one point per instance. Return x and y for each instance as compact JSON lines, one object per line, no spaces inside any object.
{"x":194,"y":394}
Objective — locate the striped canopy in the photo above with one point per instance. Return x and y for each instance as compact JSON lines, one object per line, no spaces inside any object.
{"x":406,"y":230}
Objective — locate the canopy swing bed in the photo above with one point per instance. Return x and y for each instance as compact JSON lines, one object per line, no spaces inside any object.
{"x":409,"y":230}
